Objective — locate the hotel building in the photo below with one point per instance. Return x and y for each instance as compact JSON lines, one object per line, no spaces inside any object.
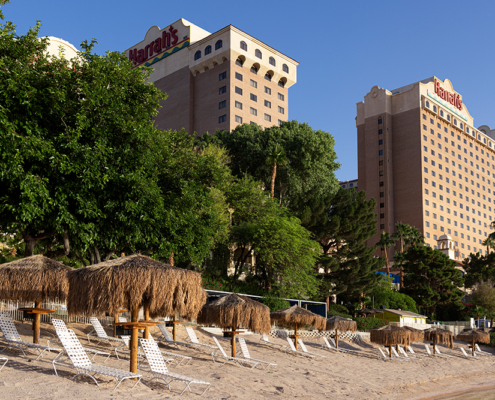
{"x":424,"y":162}
{"x":215,"y":80}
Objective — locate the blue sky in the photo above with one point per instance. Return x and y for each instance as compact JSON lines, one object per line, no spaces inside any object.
{"x":344,"y":47}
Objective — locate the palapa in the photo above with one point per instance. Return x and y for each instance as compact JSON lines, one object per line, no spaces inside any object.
{"x":390,"y":335}
{"x":337,"y":324}
{"x":474,"y":336}
{"x":34,"y":279}
{"x":439,"y":336}
{"x":235,"y":311}
{"x":134,"y":282}
{"x":417,"y":335}
{"x":296,"y":316}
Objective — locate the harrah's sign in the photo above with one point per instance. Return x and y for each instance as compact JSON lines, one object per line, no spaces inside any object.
{"x":452,"y":98}
{"x":168,"y":38}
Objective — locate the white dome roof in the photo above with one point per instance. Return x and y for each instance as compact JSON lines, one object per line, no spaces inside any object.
{"x":445,"y":237}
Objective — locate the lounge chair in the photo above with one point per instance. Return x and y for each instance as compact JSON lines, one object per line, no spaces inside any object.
{"x":194,"y":341}
{"x":387,"y":357}
{"x":291,"y":349}
{"x":4,"y":359}
{"x":169,"y":360}
{"x":83,"y":364}
{"x":428,"y":351}
{"x":405,"y":358}
{"x":178,"y":359}
{"x":59,"y":325}
{"x":236,"y":360}
{"x":245,"y":353}
{"x":101,"y":335}
{"x":330,"y":345}
{"x":159,"y":368}
{"x":303,"y":347}
{"x":437,"y":350}
{"x":168,"y":340}
{"x":11,"y":336}
{"x":410,"y":350}
{"x":404,"y":353}
{"x":481,"y":352}
{"x":266,"y":341}
{"x":466,"y":355}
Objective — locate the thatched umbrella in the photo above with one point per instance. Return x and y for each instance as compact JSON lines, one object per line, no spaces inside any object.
{"x":369,"y":311}
{"x":236,"y":311}
{"x":296,"y":316}
{"x":390,"y":335}
{"x":417,"y":335}
{"x":134,"y":282}
{"x":34,"y":279}
{"x":340,"y":324}
{"x":439,"y":336}
{"x":473,"y":336}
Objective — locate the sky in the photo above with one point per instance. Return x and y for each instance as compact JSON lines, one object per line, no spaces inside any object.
{"x":344,"y":47}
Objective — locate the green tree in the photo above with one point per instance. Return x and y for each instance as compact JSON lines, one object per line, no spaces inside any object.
{"x":431,"y":278}
{"x":276,"y":156}
{"x":489,"y":243}
{"x":479,"y":268}
{"x":402,"y":234}
{"x":483,"y":296}
{"x":384,"y":243}
{"x":349,"y":266}
{"x":384,"y":294}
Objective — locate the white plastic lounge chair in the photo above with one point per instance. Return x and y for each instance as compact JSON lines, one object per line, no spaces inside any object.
{"x":245,"y":353}
{"x":386,"y":357}
{"x":236,"y":360}
{"x":168,"y":340}
{"x":410,"y":350}
{"x":266,"y":341}
{"x":160,"y":371}
{"x":395,"y":356}
{"x":468,"y":355}
{"x":428,"y":351}
{"x":101,"y":335}
{"x":11,"y":336}
{"x":303,"y":348}
{"x":83,"y":365}
{"x":481,"y":352}
{"x":394,"y":351}
{"x":124,"y":349}
{"x":404,"y":353}
{"x":291,"y":349}
{"x":59,"y":325}
{"x":437,"y":350}
{"x":178,"y":359}
{"x":330,"y":344}
{"x":194,"y":340}
{"x":4,"y":359}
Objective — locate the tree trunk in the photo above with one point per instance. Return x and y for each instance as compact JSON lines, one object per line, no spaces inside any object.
{"x":401,"y":269}
{"x":97,"y":256}
{"x":30,"y":244}
{"x":60,"y":252}
{"x":274,"y":174}
{"x":32,"y":240}
{"x":171,"y":260}
{"x":386,"y":258}
{"x":110,"y":254}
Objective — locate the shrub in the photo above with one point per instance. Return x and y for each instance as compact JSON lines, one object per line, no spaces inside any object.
{"x":274,"y":303}
{"x":338,"y":308}
{"x":365,"y":324}
{"x":331,"y":313}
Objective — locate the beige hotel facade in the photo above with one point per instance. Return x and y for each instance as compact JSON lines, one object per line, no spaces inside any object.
{"x":424,"y":162}
{"x":215,"y":80}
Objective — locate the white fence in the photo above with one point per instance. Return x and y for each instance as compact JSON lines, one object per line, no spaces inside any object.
{"x":455,"y":329}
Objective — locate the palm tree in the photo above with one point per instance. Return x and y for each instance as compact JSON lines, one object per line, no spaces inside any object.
{"x":384,"y":243}
{"x":276,"y":156}
{"x":488,"y":242}
{"x":415,"y":237}
{"x":402,"y":233}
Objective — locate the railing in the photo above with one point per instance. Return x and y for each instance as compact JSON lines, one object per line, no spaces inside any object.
{"x":455,"y":329}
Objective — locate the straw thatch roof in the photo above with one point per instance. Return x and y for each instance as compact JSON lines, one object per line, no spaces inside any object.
{"x":440,"y":336}
{"x":390,"y":335}
{"x":34,"y":278}
{"x":236,"y":311}
{"x":129,"y":282}
{"x":296,"y":315}
{"x":369,"y":311}
{"x":342,"y":324}
{"x":417,"y":335}
{"x":477,"y":335}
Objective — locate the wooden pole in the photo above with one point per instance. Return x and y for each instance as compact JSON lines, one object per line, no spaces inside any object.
{"x":390,"y":351}
{"x":337,"y":338}
{"x":174,"y":329}
{"x":472,"y":349}
{"x":233,"y":341}
{"x":115,"y":320}
{"x":434,"y":348}
{"x":295,"y":337}
{"x":147,"y":318}
{"x":134,"y":340}
{"x":36,"y":324}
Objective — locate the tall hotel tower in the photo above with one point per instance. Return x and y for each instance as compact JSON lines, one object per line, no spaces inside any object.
{"x":215,"y":80}
{"x":424,"y":162}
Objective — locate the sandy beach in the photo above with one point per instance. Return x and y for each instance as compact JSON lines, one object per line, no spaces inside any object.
{"x":337,"y":376}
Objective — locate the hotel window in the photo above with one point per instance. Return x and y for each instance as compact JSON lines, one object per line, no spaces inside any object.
{"x":254,"y":69}
{"x":218,"y":45}
{"x":448,"y":117}
{"x":285,"y":68}
{"x":253,"y":111}
{"x":380,"y":142}
{"x":197,"y":55}
{"x":271,"y":60}
{"x":455,"y":122}
{"x":268,"y":90}
{"x":281,"y":82}
{"x":380,"y":120}
{"x":427,"y":104}
{"x":382,"y":205}
{"x":424,"y":127}
{"x":221,"y":119}
{"x":427,"y":202}
{"x":280,"y":122}
{"x":424,"y":117}
{"x":238,"y":119}
{"x":254,"y":83}
{"x":222,"y":76}
{"x":253,"y":97}
{"x":382,"y":216}
{"x":380,"y":163}
{"x":427,"y":224}
{"x":222,"y":90}
{"x":238,"y":105}
{"x":382,"y":194}
{"x":381,"y":184}
{"x":281,"y":110}
{"x":434,"y":108}
{"x":268,"y":104}
{"x":441,"y":113}
{"x":238,"y":76}
{"x":281,"y":97}
{"x":268,"y":76}
{"x":222,"y":104}
{"x":382,"y":226}
{"x":238,"y":90}
{"x":426,"y":191}
{"x":207,"y":50}
{"x":258,"y":54}
{"x":380,"y":153}
{"x":268,"y":118}
{"x":380,"y":131}
{"x":244,"y":46}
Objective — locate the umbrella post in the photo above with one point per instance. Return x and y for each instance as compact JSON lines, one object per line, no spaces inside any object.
{"x":134,"y":340}
{"x":390,"y":351}
{"x":115,"y":321}
{"x":174,"y":329}
{"x":337,"y":338}
{"x":472,"y":348}
{"x":147,"y":318}
{"x":233,"y":341}
{"x":36,"y":323}
{"x":295,"y":336}
{"x":434,"y":348}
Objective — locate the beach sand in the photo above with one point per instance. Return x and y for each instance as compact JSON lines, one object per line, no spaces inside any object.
{"x":337,"y":376}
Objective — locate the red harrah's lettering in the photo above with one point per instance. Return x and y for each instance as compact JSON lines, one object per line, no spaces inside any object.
{"x":168,"y":39}
{"x":452,"y":98}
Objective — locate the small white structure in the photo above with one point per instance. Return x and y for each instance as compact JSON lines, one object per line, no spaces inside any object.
{"x":446,"y":246}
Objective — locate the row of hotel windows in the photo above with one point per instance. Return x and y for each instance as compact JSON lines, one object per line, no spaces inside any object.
{"x":455,"y":224}
{"x":475,"y":249}
{"x":427,"y":213}
{"x":238,"y":105}
{"x":253,"y":83}
{"x":238,"y":119}
{"x":257,"y":53}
